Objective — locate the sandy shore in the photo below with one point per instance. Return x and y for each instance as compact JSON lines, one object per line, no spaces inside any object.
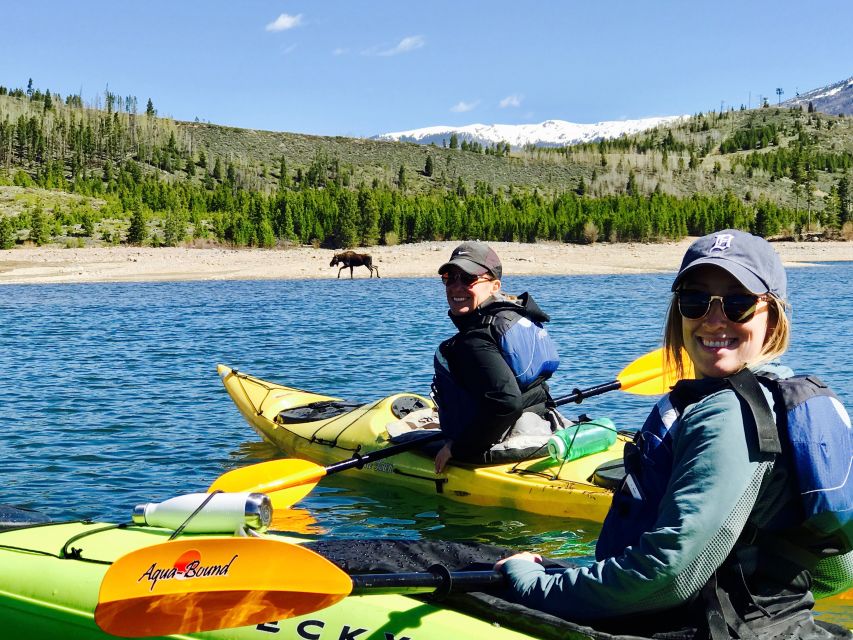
{"x":127,"y":264}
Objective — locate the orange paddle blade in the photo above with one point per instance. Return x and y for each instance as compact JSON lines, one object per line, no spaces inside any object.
{"x":202,"y":584}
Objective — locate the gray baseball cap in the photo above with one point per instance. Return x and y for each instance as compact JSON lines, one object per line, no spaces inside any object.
{"x":750,"y":259}
{"x":476,"y":258}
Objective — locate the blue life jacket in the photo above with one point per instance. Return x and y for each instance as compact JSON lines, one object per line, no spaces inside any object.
{"x":820,"y":450}
{"x":818,"y":445}
{"x":528,"y":351}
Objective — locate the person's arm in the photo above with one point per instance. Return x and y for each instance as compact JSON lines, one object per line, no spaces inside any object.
{"x":713,"y":488}
{"x":487,"y":376}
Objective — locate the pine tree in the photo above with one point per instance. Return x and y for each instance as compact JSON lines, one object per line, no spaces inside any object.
{"x":454,"y":141}
{"x":39,"y":227}
{"x":138,"y":231}
{"x":401,"y":178}
{"x":428,"y":167}
{"x":149,"y":109}
{"x":88,"y":224}
{"x":283,"y":177}
{"x":369,"y":217}
{"x":7,"y":233}
{"x":174,"y":228}
{"x":844,"y":211}
{"x":217,"y":169}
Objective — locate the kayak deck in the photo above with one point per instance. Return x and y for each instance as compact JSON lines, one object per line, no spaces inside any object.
{"x":44,"y":596}
{"x":538,"y":485}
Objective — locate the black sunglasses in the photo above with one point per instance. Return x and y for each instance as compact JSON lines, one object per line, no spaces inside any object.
{"x":738,"y":307}
{"x":467,"y":279}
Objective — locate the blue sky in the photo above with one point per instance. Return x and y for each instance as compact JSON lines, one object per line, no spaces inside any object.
{"x":356,"y":68}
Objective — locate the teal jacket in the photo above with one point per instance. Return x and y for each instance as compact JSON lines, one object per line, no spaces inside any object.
{"x":716,"y":476}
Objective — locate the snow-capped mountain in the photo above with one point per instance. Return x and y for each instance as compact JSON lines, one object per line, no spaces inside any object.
{"x":834,"y":99}
{"x":551,"y":133}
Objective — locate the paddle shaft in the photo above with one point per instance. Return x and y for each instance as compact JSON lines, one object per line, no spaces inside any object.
{"x":578,"y":395}
{"x":359,"y":460}
{"x":437,"y":580}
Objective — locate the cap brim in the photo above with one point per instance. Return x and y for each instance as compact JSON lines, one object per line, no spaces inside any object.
{"x":468,"y":266}
{"x":747,"y":278}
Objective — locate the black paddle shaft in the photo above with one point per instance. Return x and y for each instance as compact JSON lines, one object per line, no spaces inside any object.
{"x":578,"y":395}
{"x":437,"y":580}
{"x":359,"y":460}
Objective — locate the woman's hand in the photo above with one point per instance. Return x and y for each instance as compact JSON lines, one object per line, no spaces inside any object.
{"x":524,"y":555}
{"x":442,"y":457}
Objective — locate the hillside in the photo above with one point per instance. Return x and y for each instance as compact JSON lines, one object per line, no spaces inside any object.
{"x":835,"y":99}
{"x":777,"y":171}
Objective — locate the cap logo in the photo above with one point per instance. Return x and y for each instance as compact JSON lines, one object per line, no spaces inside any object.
{"x":462,"y":253}
{"x":722,"y":242}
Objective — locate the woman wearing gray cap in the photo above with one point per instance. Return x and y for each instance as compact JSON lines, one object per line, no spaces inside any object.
{"x":490,"y":377}
{"x":736,"y":507}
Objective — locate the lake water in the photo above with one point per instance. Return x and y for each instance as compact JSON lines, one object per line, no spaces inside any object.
{"x":112,"y":397}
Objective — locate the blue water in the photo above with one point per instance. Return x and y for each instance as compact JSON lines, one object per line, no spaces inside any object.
{"x":112,"y":399}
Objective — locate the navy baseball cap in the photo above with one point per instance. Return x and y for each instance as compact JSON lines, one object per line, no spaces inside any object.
{"x":476,"y":258}
{"x":750,"y":259}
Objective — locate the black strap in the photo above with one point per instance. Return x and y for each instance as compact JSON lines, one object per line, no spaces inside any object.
{"x":720,"y":614}
{"x":747,"y":387}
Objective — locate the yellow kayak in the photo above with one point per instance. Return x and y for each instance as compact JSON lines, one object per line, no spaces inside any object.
{"x":293,"y":420}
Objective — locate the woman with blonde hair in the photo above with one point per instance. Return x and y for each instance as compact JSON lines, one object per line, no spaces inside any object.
{"x":713,"y":532}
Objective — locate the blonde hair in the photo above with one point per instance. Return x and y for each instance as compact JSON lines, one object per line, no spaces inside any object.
{"x":775,"y":343}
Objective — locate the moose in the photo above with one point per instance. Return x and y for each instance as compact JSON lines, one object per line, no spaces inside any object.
{"x":352,"y":259}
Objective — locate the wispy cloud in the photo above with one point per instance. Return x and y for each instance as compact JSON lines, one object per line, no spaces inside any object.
{"x":407,"y":44}
{"x":462,"y":106}
{"x":284,"y":22}
{"x":340,"y":51}
{"x":511,"y":101}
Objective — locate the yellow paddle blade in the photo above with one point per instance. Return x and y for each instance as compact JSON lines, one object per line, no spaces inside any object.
{"x":202,"y":584}
{"x":646,"y":375}
{"x":266,"y":477}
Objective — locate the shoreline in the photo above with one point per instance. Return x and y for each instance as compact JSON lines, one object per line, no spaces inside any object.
{"x":53,"y":265}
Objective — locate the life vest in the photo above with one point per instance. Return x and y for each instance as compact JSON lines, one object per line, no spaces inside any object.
{"x":527,"y":349}
{"x":812,"y":431}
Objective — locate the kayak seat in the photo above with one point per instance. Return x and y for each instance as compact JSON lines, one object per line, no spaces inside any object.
{"x":404,"y":405}
{"x":608,"y":475}
{"x":316,"y":411}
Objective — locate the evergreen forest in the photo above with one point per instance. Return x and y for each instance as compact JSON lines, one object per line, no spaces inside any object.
{"x":111,"y":172}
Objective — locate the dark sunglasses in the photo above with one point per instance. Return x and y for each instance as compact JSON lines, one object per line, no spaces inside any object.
{"x":466,"y":279}
{"x":738,"y":307}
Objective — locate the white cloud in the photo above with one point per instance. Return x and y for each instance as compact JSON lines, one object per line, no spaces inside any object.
{"x":407,"y":44}
{"x":511,"y":101}
{"x":339,"y":51}
{"x":284,"y":22}
{"x":462,"y":106}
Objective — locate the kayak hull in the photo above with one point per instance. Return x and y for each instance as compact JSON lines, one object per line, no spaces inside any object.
{"x":44,"y":597}
{"x":537,"y":486}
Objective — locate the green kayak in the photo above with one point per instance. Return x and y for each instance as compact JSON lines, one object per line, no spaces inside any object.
{"x":51,"y":576}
